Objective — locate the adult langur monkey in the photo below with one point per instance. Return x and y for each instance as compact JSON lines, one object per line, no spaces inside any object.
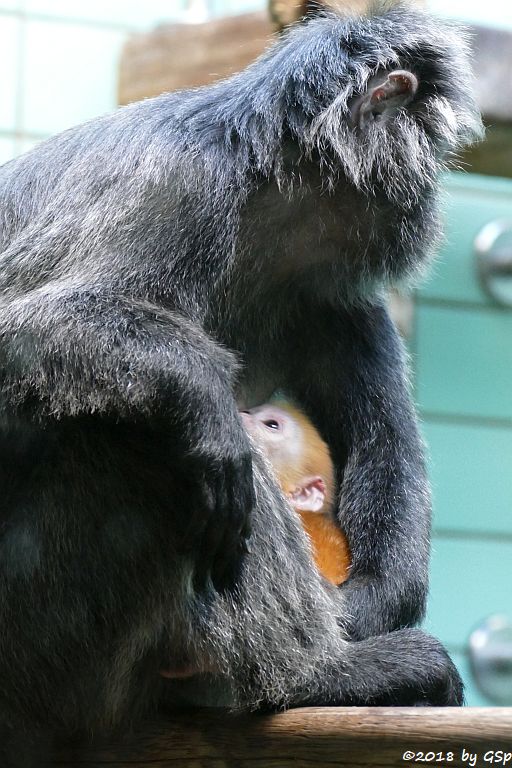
{"x":161,"y":268}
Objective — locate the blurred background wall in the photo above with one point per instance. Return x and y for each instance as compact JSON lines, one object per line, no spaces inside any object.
{"x":64,"y":61}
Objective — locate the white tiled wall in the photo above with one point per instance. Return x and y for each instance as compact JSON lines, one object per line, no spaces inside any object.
{"x":59,"y":58}
{"x":139,"y":14}
{"x":7,"y":149}
{"x":10,"y":34}
{"x":495,"y":13}
{"x":69,"y":73}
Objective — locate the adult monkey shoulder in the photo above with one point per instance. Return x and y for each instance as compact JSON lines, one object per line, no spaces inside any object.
{"x":143,"y":254}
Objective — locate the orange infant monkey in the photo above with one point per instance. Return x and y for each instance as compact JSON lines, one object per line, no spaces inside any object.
{"x":305,"y":472}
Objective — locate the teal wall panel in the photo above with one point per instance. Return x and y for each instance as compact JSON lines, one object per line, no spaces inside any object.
{"x":470,"y":580}
{"x":462,"y":356}
{"x":473,"y":697}
{"x":470,"y":202}
{"x":471,"y":475}
{"x":464,"y":361}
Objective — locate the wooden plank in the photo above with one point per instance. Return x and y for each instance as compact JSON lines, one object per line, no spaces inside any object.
{"x":188,"y":55}
{"x":304,"y":738}
{"x":285,"y":12}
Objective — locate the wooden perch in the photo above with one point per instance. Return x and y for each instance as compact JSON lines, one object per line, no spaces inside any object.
{"x":304,"y":738}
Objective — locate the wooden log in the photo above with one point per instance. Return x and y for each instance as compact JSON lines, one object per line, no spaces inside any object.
{"x":188,"y":55}
{"x":306,"y":738}
{"x":285,"y":12}
{"x":493,"y":156}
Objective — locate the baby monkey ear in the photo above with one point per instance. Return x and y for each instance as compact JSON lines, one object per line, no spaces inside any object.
{"x":385,"y":94}
{"x":309,"y":496}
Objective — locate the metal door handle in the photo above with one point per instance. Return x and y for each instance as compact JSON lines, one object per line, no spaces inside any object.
{"x":490,"y":654}
{"x":493,"y":248}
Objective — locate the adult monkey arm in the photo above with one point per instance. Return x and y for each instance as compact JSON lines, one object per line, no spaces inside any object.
{"x":384,"y":500}
{"x":71,"y":351}
{"x":370,"y":229}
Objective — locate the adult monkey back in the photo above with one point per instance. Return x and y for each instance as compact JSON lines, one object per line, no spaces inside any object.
{"x":154,"y":263}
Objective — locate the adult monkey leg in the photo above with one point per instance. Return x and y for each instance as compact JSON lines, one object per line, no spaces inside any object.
{"x":353,"y":384}
{"x":97,"y":599}
{"x":119,"y":496}
{"x":277,"y":638}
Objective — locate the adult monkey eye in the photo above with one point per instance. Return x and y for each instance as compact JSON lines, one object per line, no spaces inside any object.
{"x":271,"y":424}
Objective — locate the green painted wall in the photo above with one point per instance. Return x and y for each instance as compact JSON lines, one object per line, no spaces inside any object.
{"x":462,"y":360}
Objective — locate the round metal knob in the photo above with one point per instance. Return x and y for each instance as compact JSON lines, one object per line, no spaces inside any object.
{"x":490,"y":653}
{"x":493,"y":247}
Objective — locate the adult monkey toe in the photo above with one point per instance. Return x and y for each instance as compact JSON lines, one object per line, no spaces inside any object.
{"x":162,"y":267}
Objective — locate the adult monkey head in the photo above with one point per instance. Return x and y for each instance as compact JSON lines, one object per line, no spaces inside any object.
{"x":380,"y":110}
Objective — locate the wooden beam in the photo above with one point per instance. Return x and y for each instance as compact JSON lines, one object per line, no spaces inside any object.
{"x":188,"y":55}
{"x":285,"y":12}
{"x":305,"y":738}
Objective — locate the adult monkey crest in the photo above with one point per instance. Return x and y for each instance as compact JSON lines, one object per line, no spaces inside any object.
{"x":162,"y":267}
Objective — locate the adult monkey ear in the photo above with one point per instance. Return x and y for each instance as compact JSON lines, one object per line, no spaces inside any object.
{"x":386,"y":93}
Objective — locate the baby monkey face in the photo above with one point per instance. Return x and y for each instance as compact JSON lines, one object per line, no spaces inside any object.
{"x":277,"y":433}
{"x":305,"y":472}
{"x":297,"y":453}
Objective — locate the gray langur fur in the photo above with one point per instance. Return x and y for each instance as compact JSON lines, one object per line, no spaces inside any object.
{"x":162,"y":267}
